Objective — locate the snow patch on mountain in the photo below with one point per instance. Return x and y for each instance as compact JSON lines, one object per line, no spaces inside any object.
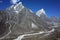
{"x":42,"y":11}
{"x":31,"y":11}
{"x":33,"y":25}
{"x":18,"y":7}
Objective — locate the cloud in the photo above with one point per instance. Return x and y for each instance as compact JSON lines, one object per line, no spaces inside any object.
{"x":14,"y":1}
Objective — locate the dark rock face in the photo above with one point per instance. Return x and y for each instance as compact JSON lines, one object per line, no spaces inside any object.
{"x":3,"y":26}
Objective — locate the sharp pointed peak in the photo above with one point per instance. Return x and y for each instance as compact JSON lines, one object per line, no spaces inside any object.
{"x":39,"y":12}
{"x":42,"y":11}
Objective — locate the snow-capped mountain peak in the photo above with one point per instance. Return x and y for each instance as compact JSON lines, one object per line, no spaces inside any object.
{"x":16,"y":7}
{"x":39,"y":12}
{"x":42,"y":11}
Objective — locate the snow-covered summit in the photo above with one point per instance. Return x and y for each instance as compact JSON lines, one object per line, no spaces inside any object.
{"x":16,"y":7}
{"x":39,"y":12}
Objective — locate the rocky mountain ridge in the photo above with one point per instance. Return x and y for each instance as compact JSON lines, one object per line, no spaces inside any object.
{"x":18,"y":20}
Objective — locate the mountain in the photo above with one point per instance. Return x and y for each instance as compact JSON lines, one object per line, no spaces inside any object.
{"x":16,"y":8}
{"x":41,"y":13}
{"x":55,"y":19}
{"x":22,"y":20}
{"x":52,"y":21}
{"x":18,"y":20}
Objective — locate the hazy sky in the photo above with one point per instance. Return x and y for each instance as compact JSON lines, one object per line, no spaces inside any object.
{"x":52,"y":7}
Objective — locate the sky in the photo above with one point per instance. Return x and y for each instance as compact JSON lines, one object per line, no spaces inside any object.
{"x":52,"y":7}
